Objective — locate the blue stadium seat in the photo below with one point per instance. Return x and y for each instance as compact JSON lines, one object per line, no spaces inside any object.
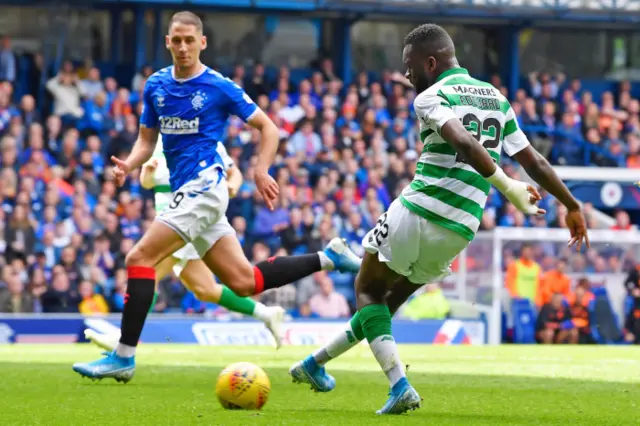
{"x":524,"y":321}
{"x":341,"y":279}
{"x":295,"y":313}
{"x":604,"y":321}
{"x":505,"y":327}
{"x":628,"y":305}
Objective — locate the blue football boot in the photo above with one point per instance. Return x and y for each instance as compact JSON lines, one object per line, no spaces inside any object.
{"x":111,"y":366}
{"x":402,"y":398}
{"x":344,"y":260}
{"x":308,"y":371}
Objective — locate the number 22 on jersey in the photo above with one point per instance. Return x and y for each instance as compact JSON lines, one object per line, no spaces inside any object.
{"x":490,"y":128}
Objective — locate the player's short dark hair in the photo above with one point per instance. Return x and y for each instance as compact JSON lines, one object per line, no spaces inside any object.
{"x":429,"y":35}
{"x":186,"y":18}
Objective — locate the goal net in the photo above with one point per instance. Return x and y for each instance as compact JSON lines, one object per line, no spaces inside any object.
{"x":477,"y":288}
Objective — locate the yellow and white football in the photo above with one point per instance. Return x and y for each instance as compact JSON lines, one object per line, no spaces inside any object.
{"x":243,"y":386}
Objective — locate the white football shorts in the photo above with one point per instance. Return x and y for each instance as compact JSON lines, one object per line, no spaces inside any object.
{"x":197,"y":212}
{"x":412,"y":246}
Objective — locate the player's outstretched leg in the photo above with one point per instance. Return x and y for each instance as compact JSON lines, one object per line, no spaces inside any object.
{"x":158,"y":243}
{"x":228,"y":262}
{"x":311,"y":370}
{"x":198,"y":278}
{"x":375,"y":318}
{"x":282,"y":270}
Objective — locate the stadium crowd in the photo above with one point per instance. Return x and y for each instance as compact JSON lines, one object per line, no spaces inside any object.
{"x":346,"y":152}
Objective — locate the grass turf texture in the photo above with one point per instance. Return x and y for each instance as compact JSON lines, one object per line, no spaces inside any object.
{"x":506,"y":385}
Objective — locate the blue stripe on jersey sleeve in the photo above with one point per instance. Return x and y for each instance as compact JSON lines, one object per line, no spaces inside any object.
{"x":238,"y":102}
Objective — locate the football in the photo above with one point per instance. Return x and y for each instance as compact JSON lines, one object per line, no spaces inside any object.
{"x":243,"y":386}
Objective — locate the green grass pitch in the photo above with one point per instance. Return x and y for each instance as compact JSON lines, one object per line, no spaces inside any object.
{"x":461,"y":385}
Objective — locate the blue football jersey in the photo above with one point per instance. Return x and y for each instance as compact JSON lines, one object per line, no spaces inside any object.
{"x":191,"y":114}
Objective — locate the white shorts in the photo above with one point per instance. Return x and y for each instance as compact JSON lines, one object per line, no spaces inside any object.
{"x":412,"y":246}
{"x":189,"y":252}
{"x":197,"y":208}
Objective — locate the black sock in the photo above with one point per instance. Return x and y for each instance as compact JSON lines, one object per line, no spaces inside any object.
{"x":279,"y":271}
{"x":140,"y":290}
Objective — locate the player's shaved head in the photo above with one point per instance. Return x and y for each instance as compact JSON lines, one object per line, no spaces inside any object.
{"x":186,"y":18}
{"x":428,"y":52}
{"x":431,"y":40}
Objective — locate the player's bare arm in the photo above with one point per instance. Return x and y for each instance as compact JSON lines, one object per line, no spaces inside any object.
{"x":523,"y":196}
{"x":539,"y":169}
{"x":141,"y":153}
{"x":270,"y":134}
{"x":468,"y":147}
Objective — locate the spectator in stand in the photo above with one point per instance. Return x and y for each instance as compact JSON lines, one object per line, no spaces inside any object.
{"x":66,"y":97}
{"x":632,"y":282}
{"x":623,"y":222}
{"x":633,"y":158}
{"x":60,"y":297}
{"x":565,"y":150}
{"x":91,"y":303}
{"x":269,"y":223}
{"x":579,"y":304}
{"x":91,"y":86}
{"x":430,"y":304}
{"x":29,"y":113}
{"x":20,"y":235}
{"x":5,"y":113}
{"x":137,"y":84}
{"x":69,"y":262}
{"x":554,"y":323}
{"x":256,"y":84}
{"x":328,"y":303}
{"x":523,"y":275}
{"x":305,"y":141}
{"x":296,"y":236}
{"x":7,"y":61}
{"x":529,"y":117}
{"x":546,"y":86}
{"x":553,"y":282}
{"x":632,"y":322}
{"x":13,"y":298}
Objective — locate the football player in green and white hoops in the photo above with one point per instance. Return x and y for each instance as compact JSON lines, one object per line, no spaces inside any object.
{"x":464,"y":124}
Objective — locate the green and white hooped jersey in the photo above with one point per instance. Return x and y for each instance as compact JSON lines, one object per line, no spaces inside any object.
{"x":162,"y":188}
{"x":446,"y":190}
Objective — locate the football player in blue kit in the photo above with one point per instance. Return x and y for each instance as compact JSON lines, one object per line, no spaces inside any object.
{"x":189,"y":104}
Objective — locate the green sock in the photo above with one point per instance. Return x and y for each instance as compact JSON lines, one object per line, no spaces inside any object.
{"x":375,"y":321}
{"x":376,"y":324}
{"x":235,"y":303}
{"x":356,"y":327}
{"x":153,"y":302}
